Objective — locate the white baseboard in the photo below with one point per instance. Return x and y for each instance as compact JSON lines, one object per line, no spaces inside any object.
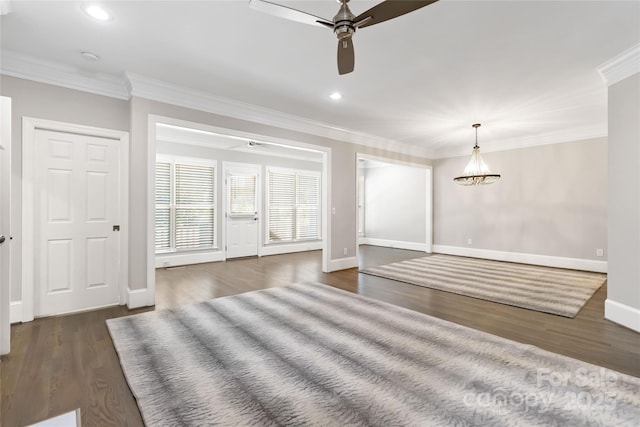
{"x":15,"y":312}
{"x":546,"y":260}
{"x":173,"y":259}
{"x":275,"y":249}
{"x":342,"y":264}
{"x":137,"y":298}
{"x":412,"y":246}
{"x":622,"y":314}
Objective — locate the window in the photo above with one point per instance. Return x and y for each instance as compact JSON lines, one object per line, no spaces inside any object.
{"x":242,"y":195}
{"x":163,"y":206}
{"x":293,"y":205}
{"x":185,"y":205}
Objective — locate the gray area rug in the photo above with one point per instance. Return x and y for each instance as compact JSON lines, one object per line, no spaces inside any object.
{"x":314,"y":355}
{"x":550,"y":290}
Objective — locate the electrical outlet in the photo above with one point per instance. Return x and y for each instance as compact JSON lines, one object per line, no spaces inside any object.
{"x":469,"y":241}
{"x":345,"y":251}
{"x":599,"y":252}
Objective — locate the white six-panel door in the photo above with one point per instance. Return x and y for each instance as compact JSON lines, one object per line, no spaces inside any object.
{"x":5,"y":222}
{"x":77,"y":208}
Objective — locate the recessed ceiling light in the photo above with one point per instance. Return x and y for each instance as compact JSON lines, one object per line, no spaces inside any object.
{"x":336,"y":96}
{"x":97,"y":12}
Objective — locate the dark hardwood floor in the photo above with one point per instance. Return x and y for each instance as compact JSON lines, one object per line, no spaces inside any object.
{"x":61,"y":363}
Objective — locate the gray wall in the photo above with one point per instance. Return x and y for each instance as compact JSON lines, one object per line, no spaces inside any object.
{"x":395,"y":203}
{"x":551,"y":200}
{"x":42,"y":101}
{"x":623,"y":284}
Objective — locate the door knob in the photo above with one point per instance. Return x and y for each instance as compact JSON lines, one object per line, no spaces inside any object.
{"x":2,"y":239}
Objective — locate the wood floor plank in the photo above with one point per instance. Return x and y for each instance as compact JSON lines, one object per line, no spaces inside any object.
{"x":61,"y":363}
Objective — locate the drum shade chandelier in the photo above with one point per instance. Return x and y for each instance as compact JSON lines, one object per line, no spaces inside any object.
{"x":477,"y":172}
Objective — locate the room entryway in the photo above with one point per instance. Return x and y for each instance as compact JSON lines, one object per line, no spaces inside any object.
{"x":394,"y":203}
{"x":242,"y":210}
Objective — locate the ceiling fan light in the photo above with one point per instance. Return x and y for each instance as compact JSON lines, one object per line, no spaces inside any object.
{"x":344,"y":23}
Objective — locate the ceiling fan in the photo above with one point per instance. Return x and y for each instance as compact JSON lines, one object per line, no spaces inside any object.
{"x":345,"y":23}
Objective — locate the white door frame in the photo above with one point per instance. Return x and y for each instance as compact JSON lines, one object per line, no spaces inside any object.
{"x":429,"y":198}
{"x":225,"y":199}
{"x":5,"y":225}
{"x":154,"y":120}
{"x":29,"y":127}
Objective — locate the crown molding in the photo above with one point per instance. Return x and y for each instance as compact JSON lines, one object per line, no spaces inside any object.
{"x":49,"y":72}
{"x":161,"y":91}
{"x":621,"y":66}
{"x":30,"y":68}
{"x":572,"y":135}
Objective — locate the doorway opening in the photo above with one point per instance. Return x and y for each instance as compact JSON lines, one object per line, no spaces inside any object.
{"x":394,"y":201}
{"x":243,"y":213}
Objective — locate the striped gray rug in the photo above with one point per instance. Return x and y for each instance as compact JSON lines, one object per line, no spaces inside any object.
{"x":314,"y":355}
{"x":546,"y":289}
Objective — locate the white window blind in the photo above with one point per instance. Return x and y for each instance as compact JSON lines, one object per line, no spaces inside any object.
{"x":187,"y":220}
{"x":293,"y":206}
{"x":307,"y":207}
{"x":195,"y":204}
{"x":242,"y":195}
{"x":281,"y":206}
{"x":163,"y":206}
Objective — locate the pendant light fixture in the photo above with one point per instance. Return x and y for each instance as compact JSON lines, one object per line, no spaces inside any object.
{"x":477,"y":172}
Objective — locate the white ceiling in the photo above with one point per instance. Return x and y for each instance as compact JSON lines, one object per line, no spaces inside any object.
{"x":527,"y":70}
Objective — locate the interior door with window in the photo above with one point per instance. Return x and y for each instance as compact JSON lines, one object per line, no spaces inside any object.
{"x":242,"y":212}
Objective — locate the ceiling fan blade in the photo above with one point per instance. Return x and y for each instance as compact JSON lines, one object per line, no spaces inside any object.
{"x":289,"y":13}
{"x":346,"y":57}
{"x":390,"y":9}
